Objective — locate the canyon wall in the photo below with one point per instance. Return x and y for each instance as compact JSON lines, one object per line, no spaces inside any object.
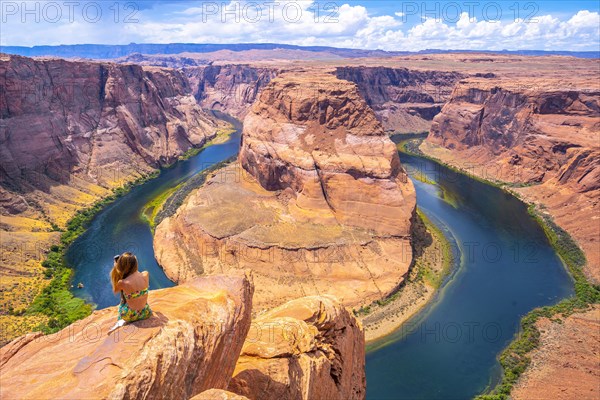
{"x":229,"y":88}
{"x":70,"y":132}
{"x":404,"y":100}
{"x":317,"y":204}
{"x":61,"y":118}
{"x":542,"y":139}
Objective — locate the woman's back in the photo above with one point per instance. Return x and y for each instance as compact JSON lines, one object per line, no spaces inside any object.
{"x":134,"y":288}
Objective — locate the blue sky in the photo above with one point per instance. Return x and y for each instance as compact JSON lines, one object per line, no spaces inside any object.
{"x":373,"y":24}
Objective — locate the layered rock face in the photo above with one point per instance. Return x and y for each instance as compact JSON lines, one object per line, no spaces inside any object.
{"x":69,"y":133}
{"x":315,"y":135}
{"x":404,"y":100}
{"x":189,"y":345}
{"x":535,"y":135}
{"x":230,"y":88}
{"x":61,"y":118}
{"x":320,"y":204}
{"x":310,"y":348}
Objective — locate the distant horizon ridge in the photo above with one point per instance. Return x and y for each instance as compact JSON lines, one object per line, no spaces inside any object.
{"x":111,"y":51}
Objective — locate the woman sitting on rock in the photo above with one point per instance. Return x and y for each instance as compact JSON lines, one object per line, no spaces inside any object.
{"x":133,"y":286}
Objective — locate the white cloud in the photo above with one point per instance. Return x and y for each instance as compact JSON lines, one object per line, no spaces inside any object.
{"x":306,"y":23}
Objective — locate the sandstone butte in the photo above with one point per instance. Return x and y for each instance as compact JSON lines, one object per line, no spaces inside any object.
{"x":190,"y":347}
{"x":317,"y":203}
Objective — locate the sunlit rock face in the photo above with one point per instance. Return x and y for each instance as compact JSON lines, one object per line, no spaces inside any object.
{"x":317,"y":202}
{"x":542,"y":135}
{"x":309,"y":348}
{"x":189,"y":345}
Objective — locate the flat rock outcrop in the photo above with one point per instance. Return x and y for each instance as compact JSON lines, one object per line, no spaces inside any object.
{"x":317,"y":204}
{"x":309,"y":348}
{"x":190,"y":344}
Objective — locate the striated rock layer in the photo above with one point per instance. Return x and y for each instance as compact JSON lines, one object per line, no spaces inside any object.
{"x":541,"y":138}
{"x":314,"y":134}
{"x":404,"y":100}
{"x":320,"y":204}
{"x":61,"y":118}
{"x":309,"y":348}
{"x":69,"y":133}
{"x":229,"y":88}
{"x":190,"y":344}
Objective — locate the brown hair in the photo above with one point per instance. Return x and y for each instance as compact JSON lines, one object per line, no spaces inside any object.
{"x":125,"y":265}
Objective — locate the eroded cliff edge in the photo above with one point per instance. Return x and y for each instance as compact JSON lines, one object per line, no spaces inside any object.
{"x":543,"y":140}
{"x":318,"y":202}
{"x":189,"y":347}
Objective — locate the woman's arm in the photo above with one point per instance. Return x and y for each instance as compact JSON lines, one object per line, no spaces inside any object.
{"x":119,"y":286}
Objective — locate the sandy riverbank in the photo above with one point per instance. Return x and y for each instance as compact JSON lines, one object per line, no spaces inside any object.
{"x":431,"y":263}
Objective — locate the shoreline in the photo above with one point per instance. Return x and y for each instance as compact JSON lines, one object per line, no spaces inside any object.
{"x":423,"y":282}
{"x":56,"y":305}
{"x":515,"y":359}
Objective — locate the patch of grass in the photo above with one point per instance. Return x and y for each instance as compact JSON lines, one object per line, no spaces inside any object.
{"x":56,"y":301}
{"x":154,"y":206}
{"x":174,"y":198}
{"x":430,"y":276}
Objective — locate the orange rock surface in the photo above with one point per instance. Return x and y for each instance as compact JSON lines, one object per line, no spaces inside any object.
{"x":309,"y":348}
{"x":567,"y":365}
{"x":218,"y":394}
{"x":189,"y":345}
{"x":321,"y":204}
{"x":314,"y":134}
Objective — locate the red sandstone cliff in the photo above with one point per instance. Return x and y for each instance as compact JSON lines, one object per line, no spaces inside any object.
{"x":537,"y":135}
{"x":404,"y":100}
{"x":61,"y":118}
